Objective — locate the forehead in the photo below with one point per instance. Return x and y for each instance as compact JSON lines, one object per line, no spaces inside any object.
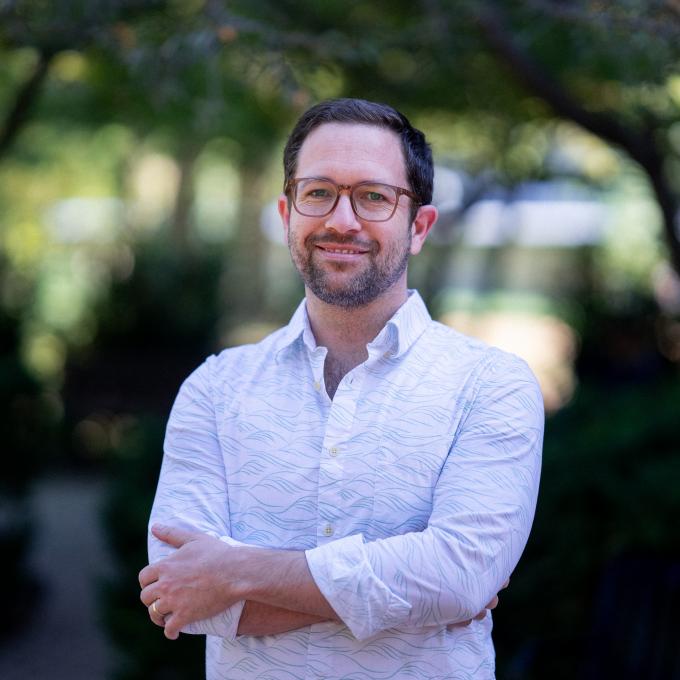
{"x":351,"y":152}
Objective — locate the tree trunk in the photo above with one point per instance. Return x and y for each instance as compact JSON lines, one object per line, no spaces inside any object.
{"x":184,"y":199}
{"x":246,"y":276}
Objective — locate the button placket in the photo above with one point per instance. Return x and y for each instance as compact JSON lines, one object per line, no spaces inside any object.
{"x":332,"y":472}
{"x":316,"y":361}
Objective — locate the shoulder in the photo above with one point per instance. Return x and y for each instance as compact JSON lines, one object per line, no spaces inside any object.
{"x":483,"y":363}
{"x":234,"y":364}
{"x":449,"y":344}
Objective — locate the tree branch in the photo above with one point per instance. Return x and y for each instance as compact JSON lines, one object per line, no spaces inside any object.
{"x":24,"y":102}
{"x":640,"y":146}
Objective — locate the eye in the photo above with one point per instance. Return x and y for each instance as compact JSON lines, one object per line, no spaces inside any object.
{"x":371,"y":196}
{"x":374,"y":196}
{"x":315,"y":191}
{"x":318,"y":193}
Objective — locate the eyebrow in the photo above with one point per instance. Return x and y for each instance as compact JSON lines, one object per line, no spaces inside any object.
{"x":363,"y":181}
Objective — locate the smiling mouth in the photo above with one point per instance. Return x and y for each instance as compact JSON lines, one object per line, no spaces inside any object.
{"x":341,"y":251}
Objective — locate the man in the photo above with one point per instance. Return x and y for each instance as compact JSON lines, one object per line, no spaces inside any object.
{"x":345,"y":498}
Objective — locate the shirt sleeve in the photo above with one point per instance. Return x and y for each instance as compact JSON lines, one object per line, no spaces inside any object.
{"x":482,"y":510}
{"x":192,"y":490}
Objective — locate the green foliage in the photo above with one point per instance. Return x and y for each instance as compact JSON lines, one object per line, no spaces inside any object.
{"x":66,"y":24}
{"x":169,"y":300}
{"x":165,"y":311}
{"x":27,"y":417}
{"x":144,"y":651}
{"x":608,"y":490}
{"x":29,"y":425}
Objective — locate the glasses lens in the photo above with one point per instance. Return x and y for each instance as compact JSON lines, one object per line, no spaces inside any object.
{"x":315,"y":197}
{"x":374,"y":201}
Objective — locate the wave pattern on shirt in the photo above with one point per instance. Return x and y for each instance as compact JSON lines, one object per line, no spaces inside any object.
{"x":412,"y":491}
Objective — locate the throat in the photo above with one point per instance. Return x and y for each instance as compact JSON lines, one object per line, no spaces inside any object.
{"x":337,"y":367}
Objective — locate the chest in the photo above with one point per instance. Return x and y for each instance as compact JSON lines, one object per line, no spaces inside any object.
{"x":302,"y":469}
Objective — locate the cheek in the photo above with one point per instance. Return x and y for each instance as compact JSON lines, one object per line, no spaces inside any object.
{"x":298,"y":230}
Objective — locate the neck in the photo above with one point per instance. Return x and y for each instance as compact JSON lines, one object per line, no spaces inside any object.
{"x":347,"y":331}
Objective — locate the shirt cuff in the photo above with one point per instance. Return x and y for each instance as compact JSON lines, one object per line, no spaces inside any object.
{"x":224,"y":624}
{"x":344,"y":575}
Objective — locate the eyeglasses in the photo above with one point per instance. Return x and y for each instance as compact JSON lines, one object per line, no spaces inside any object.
{"x":371,"y":201}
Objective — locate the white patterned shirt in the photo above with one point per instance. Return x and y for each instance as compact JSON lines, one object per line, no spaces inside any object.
{"x":412,"y":492}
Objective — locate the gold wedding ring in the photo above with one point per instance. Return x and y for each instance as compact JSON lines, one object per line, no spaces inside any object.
{"x":153,"y":607}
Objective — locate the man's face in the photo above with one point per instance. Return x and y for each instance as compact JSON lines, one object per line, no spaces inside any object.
{"x":342,"y":259}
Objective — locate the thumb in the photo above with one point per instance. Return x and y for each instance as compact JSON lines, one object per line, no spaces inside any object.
{"x":173,"y":536}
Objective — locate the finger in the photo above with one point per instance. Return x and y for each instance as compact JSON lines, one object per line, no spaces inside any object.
{"x":481,"y":615}
{"x":148,"y":575}
{"x":506,"y":584}
{"x":149,"y":595}
{"x":173,"y":536}
{"x":172,"y":627}
{"x":459,"y":624}
{"x":493,"y":604}
{"x":157,"y":615}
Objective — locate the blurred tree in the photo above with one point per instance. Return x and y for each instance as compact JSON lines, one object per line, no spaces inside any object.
{"x":209,"y":67}
{"x":164,"y":71}
{"x":610,"y":68}
{"x":48,"y":29}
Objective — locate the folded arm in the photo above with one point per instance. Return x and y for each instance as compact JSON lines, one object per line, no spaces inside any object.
{"x":483,"y":506}
{"x":192,"y":495}
{"x":482,"y":510}
{"x":260,"y":619}
{"x":205,"y":576}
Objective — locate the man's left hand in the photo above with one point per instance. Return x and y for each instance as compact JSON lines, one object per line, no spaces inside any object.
{"x":190,"y":584}
{"x":481,"y":615}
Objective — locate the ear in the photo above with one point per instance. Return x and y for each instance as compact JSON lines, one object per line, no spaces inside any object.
{"x":424,"y":221}
{"x":284,"y":212}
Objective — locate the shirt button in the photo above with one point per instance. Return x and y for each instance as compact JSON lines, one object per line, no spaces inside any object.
{"x":333,"y":451}
{"x":328,"y":530}
{"x":317,"y":385}
{"x":387,"y":355}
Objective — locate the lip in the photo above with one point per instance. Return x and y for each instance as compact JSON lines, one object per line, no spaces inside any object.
{"x":340,"y":252}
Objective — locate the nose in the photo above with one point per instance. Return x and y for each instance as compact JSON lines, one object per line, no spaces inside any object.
{"x":343,"y":219}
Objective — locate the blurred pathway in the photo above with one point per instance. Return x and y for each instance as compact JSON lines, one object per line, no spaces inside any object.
{"x":64,"y":640}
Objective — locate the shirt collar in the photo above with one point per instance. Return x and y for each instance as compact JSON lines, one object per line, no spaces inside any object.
{"x":399,"y":333}
{"x":404,"y":328}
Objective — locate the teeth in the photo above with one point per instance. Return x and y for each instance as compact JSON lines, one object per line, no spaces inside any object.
{"x":342,"y":252}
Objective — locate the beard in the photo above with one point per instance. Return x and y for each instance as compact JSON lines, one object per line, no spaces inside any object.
{"x":383,"y":269}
